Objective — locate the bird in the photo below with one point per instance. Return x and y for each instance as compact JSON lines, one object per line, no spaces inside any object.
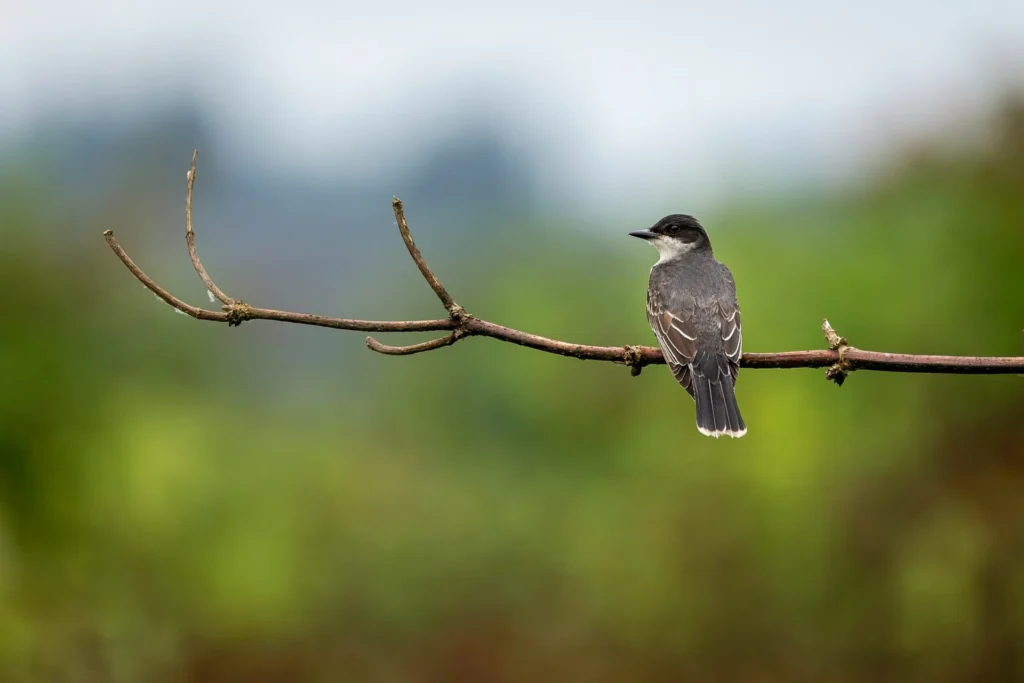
{"x":693,"y":310}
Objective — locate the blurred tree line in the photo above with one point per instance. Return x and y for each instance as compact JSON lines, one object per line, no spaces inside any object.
{"x":491,"y":513}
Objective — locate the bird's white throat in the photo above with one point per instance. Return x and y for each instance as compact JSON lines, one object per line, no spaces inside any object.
{"x":669,"y":248}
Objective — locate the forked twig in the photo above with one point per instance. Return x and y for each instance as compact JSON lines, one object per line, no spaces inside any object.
{"x":840,"y":358}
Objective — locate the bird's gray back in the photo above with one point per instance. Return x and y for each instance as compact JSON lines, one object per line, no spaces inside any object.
{"x":698,"y":282}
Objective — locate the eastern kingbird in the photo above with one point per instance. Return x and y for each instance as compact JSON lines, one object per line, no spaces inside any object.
{"x":692,"y":308}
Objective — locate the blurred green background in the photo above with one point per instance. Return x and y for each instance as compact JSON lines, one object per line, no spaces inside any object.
{"x":184,"y":501}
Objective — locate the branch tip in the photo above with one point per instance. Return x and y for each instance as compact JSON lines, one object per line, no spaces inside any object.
{"x":190,"y":179}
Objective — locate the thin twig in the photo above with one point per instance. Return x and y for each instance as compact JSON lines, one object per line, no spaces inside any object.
{"x":409,"y":350}
{"x":190,"y":237}
{"x":454,"y":310}
{"x":840,"y":358}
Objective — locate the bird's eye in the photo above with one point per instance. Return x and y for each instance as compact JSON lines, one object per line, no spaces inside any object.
{"x":672,"y":229}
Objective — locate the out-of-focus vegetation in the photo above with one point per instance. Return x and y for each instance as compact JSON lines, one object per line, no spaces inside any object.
{"x":486,"y":512}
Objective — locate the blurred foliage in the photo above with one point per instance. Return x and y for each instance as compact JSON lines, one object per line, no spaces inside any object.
{"x":486,"y":512}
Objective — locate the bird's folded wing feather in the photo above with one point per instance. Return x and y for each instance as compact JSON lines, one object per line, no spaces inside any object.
{"x":732,"y":332}
{"x":674,"y":328}
{"x":732,"y":326}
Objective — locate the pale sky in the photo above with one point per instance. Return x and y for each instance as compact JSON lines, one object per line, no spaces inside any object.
{"x":624,"y":99}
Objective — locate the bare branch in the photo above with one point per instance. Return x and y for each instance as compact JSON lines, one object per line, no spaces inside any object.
{"x":840,"y":358}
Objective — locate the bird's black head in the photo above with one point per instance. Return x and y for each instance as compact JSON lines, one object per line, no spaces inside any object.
{"x":676,"y":235}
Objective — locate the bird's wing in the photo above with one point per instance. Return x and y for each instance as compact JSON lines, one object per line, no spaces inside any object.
{"x":674,"y":327}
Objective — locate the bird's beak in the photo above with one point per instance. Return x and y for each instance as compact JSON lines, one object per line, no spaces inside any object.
{"x":643,"y":234}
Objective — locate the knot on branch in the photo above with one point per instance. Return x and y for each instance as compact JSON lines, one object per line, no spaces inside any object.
{"x":841,"y":368}
{"x":461,"y":320}
{"x":458,"y":314}
{"x":633,"y":356}
{"x":238,"y":313}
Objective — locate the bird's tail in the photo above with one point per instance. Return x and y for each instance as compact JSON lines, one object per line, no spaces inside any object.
{"x":717,"y":410}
